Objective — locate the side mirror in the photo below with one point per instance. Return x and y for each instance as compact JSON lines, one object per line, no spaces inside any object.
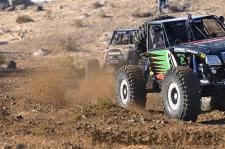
{"x":221,"y":18}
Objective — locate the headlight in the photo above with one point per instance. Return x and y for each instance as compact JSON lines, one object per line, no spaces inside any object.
{"x":212,"y":60}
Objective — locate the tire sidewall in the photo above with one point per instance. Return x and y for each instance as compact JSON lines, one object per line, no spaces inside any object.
{"x":120,"y":77}
{"x":167,"y":107}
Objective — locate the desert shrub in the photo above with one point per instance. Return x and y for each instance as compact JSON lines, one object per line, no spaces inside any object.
{"x":78,"y":23}
{"x":97,"y":5}
{"x":104,"y":15}
{"x":177,"y":8}
{"x":2,"y":59}
{"x":140,"y":14}
{"x":49,"y":15}
{"x":112,"y":5}
{"x":74,"y":65}
{"x":24,"y":19}
{"x":105,"y":103}
{"x":70,"y":44}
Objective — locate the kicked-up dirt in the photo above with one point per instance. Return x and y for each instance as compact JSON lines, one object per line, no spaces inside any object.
{"x":54,"y":106}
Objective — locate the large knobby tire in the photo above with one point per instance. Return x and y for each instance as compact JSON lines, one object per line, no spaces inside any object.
{"x":92,"y":67}
{"x":130,"y":86}
{"x":218,"y":103}
{"x":180,"y":92}
{"x":140,"y":42}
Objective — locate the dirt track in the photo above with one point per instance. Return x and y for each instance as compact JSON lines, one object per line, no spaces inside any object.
{"x":48,"y":103}
{"x":44,"y":110}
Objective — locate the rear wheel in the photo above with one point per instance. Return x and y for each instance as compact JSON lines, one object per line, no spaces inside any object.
{"x":218,"y":102}
{"x":180,"y":91}
{"x":130,"y":86}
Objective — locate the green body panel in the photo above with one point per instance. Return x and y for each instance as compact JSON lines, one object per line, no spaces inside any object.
{"x":159,"y":61}
{"x":181,"y":59}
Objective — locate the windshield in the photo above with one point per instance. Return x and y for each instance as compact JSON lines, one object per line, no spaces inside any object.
{"x":198,"y":29}
{"x":123,"y":37}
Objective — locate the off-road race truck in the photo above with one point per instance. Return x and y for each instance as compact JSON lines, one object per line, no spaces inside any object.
{"x":121,"y":49}
{"x":185,"y":62}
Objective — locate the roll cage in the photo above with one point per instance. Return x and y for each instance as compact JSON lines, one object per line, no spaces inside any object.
{"x":122,"y":37}
{"x":167,"y":33}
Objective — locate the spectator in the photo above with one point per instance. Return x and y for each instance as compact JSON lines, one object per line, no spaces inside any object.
{"x":162,"y":4}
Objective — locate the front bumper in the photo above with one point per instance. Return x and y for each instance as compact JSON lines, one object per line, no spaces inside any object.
{"x":115,"y":62}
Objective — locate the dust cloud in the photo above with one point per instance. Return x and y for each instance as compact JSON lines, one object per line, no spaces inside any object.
{"x":63,"y":84}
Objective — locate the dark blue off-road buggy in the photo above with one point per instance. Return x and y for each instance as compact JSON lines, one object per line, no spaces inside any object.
{"x":186,"y":63}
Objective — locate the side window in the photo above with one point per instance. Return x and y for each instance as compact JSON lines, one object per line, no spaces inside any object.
{"x":157,"y":37}
{"x":117,"y":39}
{"x":213,"y":27}
{"x":123,"y":38}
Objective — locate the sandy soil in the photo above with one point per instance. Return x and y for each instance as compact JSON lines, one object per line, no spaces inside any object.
{"x":47,"y":103}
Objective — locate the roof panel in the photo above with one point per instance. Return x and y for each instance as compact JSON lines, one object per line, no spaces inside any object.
{"x":175,"y":19}
{"x":126,"y":29}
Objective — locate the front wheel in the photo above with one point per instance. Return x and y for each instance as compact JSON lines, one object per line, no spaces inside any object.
{"x":130,"y":86}
{"x":180,"y":92}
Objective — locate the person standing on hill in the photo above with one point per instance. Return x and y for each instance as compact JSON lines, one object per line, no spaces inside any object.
{"x":162,"y":4}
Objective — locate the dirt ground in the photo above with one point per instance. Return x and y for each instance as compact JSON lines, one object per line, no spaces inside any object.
{"x":47,"y":102}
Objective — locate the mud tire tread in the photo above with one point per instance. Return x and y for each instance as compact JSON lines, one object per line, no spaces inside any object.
{"x":189,"y":92}
{"x":137,"y":89}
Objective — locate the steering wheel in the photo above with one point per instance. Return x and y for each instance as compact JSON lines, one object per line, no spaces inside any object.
{"x":177,"y":41}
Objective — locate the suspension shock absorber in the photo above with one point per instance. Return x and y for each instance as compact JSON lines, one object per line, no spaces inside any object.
{"x":195,"y":65}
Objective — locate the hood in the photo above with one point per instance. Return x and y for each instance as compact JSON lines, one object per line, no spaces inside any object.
{"x":123,"y":48}
{"x":208,"y":46}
